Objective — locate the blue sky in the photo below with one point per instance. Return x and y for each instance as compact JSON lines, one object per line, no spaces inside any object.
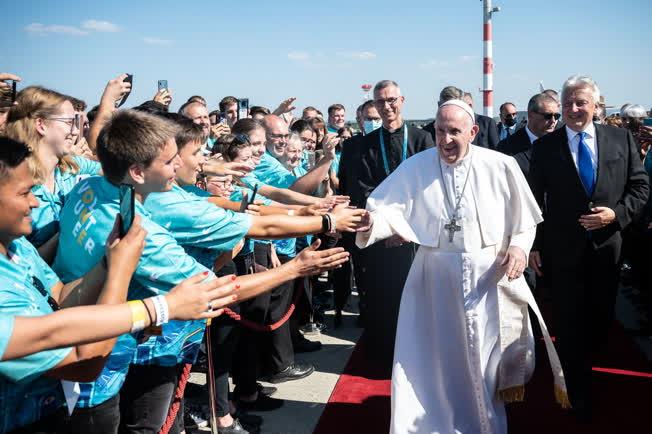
{"x":321,"y":52}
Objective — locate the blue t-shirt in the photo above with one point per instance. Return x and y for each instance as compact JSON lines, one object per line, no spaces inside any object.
{"x":271,"y":171}
{"x":205,"y":231}
{"x":25,"y":394}
{"x":45,"y":218}
{"x":86,"y":221}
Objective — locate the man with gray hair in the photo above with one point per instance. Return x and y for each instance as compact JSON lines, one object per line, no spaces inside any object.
{"x":487,"y":136}
{"x":464,"y":344}
{"x":542,"y":116}
{"x":590,"y":181}
{"x":386,"y":264}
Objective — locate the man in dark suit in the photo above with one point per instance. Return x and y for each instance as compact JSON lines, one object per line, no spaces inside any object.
{"x":542,"y":116}
{"x":487,"y":136}
{"x":590,"y":183}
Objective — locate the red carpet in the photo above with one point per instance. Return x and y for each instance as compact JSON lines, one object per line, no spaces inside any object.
{"x":622,"y":381}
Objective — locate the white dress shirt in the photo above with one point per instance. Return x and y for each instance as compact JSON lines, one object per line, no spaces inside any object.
{"x":589,"y":139}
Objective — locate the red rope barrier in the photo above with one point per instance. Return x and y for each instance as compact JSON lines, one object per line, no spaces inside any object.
{"x":178,"y":399}
{"x":265,"y":327}
{"x":183,"y":380}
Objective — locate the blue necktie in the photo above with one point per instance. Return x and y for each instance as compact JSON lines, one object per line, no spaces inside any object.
{"x":584,"y":165}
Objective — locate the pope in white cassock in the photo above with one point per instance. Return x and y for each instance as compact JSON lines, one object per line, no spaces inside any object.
{"x":464,"y":344}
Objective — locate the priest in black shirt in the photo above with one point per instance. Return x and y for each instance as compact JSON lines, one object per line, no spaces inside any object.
{"x":386,"y":264}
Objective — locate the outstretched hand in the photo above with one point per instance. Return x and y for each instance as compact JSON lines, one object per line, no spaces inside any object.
{"x":312,"y":261}
{"x":196,"y":298}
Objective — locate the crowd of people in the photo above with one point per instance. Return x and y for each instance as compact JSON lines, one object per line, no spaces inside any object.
{"x":236,"y":214}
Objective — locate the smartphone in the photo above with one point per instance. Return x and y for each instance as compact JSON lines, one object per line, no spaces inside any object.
{"x":243,"y":108}
{"x":128,"y":79}
{"x":127,"y":208}
{"x":244,"y":203}
{"x":13,"y":91}
{"x":647,"y":121}
{"x":253,"y":194}
{"x":162,"y":84}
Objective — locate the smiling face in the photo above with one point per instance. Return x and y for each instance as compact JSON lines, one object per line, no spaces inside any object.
{"x":454,"y":132}
{"x":244,"y":156}
{"x":198,"y":113}
{"x":389,"y":102}
{"x":578,"y":108}
{"x":337,"y":119}
{"x":292,"y":157}
{"x":161,"y":173}
{"x":16,"y":202}
{"x":277,"y":137}
{"x":191,"y":158}
{"x":221,"y":186}
{"x":60,"y":132}
{"x":257,"y":140}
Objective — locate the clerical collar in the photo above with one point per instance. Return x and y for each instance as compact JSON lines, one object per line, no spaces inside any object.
{"x":396,"y":130}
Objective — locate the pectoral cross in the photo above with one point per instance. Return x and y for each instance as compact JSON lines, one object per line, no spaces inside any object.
{"x":452,"y":227}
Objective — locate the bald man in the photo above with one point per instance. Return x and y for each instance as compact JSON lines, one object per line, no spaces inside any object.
{"x":463,"y":342}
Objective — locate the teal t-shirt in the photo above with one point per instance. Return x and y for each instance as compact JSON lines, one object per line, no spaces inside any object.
{"x":271,"y":171}
{"x":45,"y":218}
{"x":25,"y":394}
{"x":205,"y":231}
{"x":86,"y":221}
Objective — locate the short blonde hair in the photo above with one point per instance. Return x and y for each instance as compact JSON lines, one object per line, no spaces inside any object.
{"x":35,"y":102}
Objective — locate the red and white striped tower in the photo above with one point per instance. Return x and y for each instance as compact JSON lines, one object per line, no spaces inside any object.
{"x":487,"y":61}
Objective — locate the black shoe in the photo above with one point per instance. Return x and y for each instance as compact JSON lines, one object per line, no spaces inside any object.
{"x":304,"y":345}
{"x":262,"y":403}
{"x":337,"y":322}
{"x":235,"y":428}
{"x":295,"y":371}
{"x":266,"y":390}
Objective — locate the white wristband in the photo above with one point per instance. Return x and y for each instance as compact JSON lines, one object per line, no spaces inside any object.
{"x":333,"y":227}
{"x":162,"y":309}
{"x":291,"y":212}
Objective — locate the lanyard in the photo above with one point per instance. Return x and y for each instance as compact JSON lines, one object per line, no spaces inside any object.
{"x":384,"y":152}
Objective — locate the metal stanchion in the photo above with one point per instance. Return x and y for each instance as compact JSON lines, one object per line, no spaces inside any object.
{"x":210,"y":377}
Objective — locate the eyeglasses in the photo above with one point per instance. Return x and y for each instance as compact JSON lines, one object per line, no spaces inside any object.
{"x":36,"y":283}
{"x":279,"y":136}
{"x":391,"y":101}
{"x":510,"y":115}
{"x":549,"y":116}
{"x":73,"y":122}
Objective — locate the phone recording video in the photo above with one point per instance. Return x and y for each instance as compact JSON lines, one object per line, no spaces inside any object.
{"x":253,"y":194}
{"x":243,"y":108}
{"x":127,"y":208}
{"x":244,"y":203}
{"x":162,"y":85}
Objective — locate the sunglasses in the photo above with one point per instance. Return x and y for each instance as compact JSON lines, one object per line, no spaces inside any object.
{"x":36,"y":282}
{"x":549,"y":116}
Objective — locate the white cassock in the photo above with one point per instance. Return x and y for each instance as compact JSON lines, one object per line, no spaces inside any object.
{"x":464,"y":340}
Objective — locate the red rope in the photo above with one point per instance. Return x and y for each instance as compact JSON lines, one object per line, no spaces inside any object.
{"x":265,"y":327}
{"x":178,"y":399}
{"x":183,"y":380}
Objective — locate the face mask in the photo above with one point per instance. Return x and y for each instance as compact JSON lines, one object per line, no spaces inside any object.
{"x":510,"y":122}
{"x":369,"y":126}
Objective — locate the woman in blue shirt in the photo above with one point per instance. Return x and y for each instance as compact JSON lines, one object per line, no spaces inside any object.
{"x":47,"y":122}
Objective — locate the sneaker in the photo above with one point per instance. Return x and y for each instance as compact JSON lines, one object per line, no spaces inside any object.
{"x":193,"y":417}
